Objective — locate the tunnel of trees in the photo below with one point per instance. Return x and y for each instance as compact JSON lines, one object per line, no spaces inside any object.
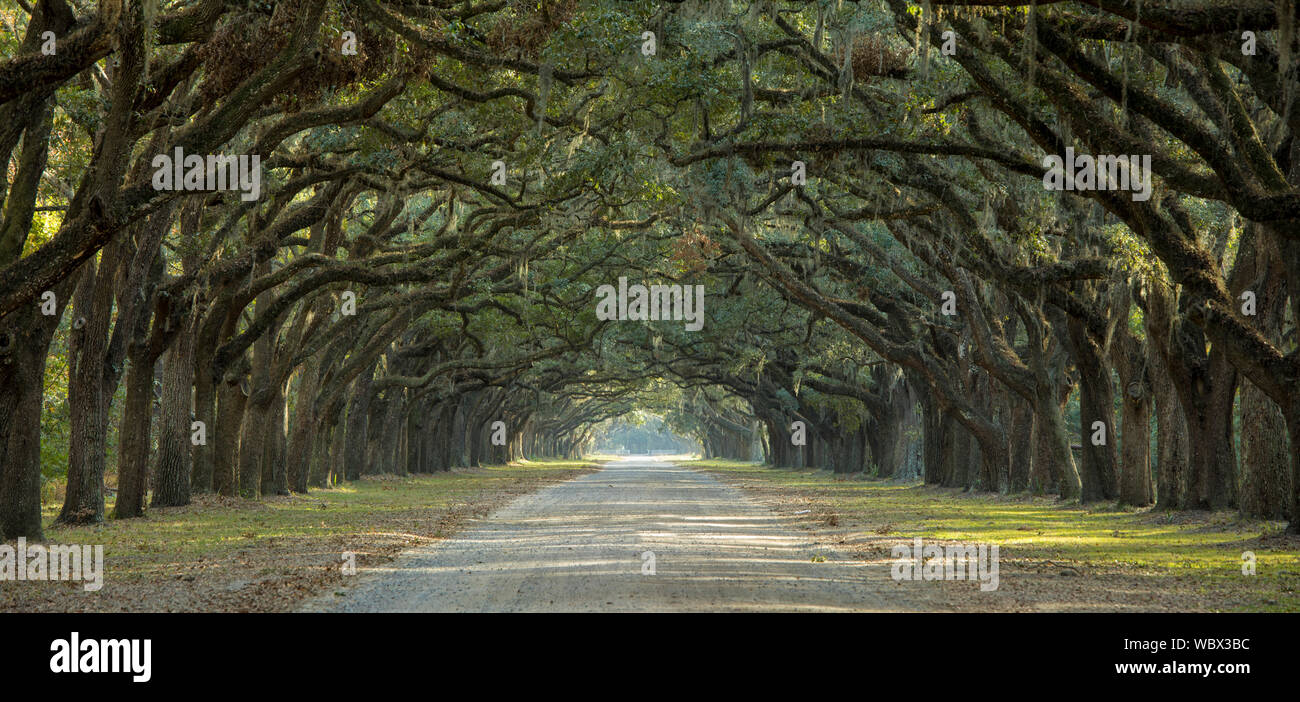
{"x":445,"y":185}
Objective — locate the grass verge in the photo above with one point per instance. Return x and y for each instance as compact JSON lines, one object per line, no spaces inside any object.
{"x":223,"y":554}
{"x":1054,"y":556}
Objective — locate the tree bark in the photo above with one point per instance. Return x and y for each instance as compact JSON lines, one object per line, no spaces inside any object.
{"x":173,"y":480}
{"x":226,"y":436}
{"x":134,"y":436}
{"x":24,"y":342}
{"x":1100,"y":475}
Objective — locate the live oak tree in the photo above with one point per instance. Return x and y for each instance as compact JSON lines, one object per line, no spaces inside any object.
{"x":445,"y":185}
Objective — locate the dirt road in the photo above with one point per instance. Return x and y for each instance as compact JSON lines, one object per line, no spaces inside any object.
{"x":638,"y":535}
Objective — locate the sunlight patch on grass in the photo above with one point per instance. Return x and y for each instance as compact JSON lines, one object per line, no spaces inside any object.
{"x":1207,"y":546}
{"x":229,"y":538}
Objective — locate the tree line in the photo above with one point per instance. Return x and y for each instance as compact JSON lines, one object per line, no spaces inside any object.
{"x":858,"y":186}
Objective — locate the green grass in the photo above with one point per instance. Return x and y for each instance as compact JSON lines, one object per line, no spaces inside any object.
{"x":216,"y":540}
{"x":224,"y":524}
{"x":1205,"y":546}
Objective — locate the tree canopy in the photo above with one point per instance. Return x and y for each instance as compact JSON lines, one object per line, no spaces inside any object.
{"x":863,"y":191}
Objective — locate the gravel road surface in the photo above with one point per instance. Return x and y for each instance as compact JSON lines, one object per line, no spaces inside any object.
{"x":585,"y":545}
